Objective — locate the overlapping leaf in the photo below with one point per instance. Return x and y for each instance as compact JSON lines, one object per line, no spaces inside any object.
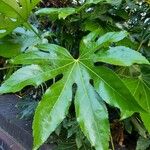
{"x":11,"y":46}
{"x":13,"y":13}
{"x":90,"y":108}
{"x":141,"y":92}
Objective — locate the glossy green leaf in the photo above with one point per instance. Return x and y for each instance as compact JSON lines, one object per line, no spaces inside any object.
{"x":60,"y":51}
{"x":90,"y":25}
{"x":61,"y":13}
{"x":14,"y":13}
{"x":55,"y":102}
{"x":52,"y":109}
{"x":91,"y":112}
{"x":121,"y":56}
{"x":26,"y":38}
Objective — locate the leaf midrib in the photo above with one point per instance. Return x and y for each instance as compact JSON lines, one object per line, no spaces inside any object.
{"x":81,"y":77}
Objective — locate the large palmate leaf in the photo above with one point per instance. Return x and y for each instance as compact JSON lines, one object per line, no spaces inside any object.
{"x":90,"y":98}
{"x":13,"y":13}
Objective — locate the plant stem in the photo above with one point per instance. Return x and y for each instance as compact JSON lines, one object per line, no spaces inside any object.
{"x":4,"y":68}
{"x":141,"y":43}
{"x":112,"y":144}
{"x":28,"y":25}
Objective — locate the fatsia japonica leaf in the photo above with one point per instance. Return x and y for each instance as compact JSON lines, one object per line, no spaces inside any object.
{"x":89,"y":100}
{"x":141,"y":92}
{"x":14,"y":13}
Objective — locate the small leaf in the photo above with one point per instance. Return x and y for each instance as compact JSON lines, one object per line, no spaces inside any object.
{"x":62,"y":13}
{"x":27,"y":107}
{"x":121,"y":56}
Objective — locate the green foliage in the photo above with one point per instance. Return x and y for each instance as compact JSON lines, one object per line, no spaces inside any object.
{"x":143,"y":143}
{"x":19,"y":42}
{"x":141,"y":91}
{"x":104,"y":68}
{"x":14,"y":13}
{"x":58,"y":97}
